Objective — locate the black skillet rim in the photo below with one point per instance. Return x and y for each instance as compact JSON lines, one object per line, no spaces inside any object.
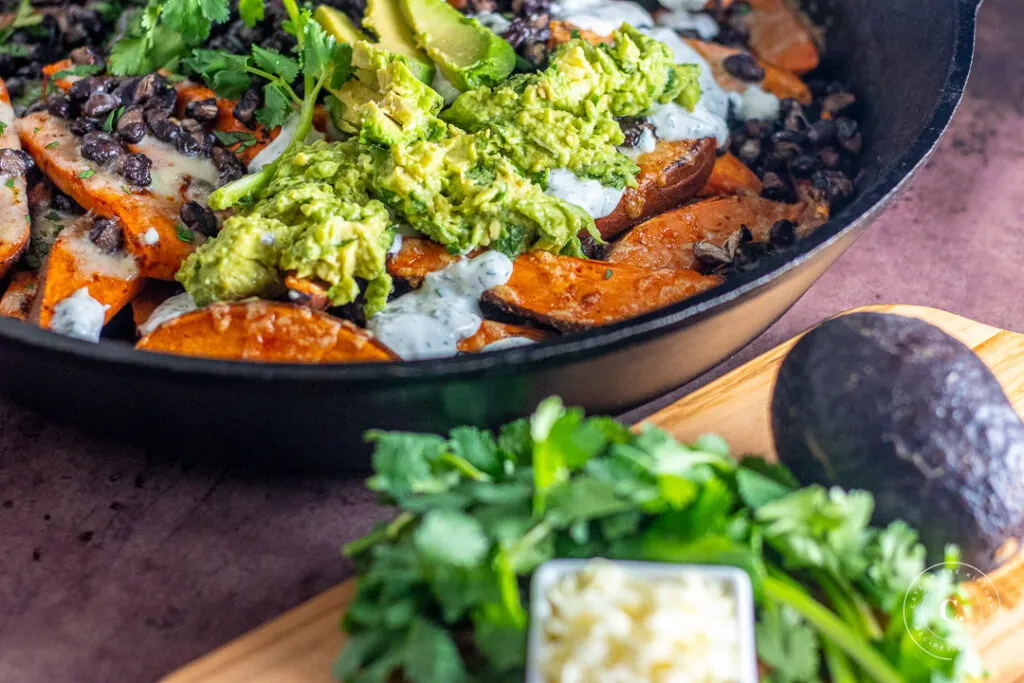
{"x":577,"y":347}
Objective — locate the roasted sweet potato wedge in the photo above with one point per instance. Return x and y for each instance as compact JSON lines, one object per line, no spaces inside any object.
{"x":572,"y":294}
{"x":75,"y":262}
{"x":21,"y":292}
{"x":778,"y":37}
{"x":492,"y":331}
{"x":267,"y":332}
{"x":670,"y":175}
{"x":779,"y":82}
{"x":561,"y":32}
{"x":666,"y":241}
{"x":730,"y":176}
{"x":14,"y":212}
{"x":226,"y":121}
{"x":310,"y":292}
{"x":417,"y":257}
{"x":149,"y":214}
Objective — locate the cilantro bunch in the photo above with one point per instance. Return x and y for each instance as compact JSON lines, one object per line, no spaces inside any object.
{"x":441,"y":588}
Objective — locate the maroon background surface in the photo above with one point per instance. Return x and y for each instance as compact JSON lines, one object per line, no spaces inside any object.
{"x":118,"y":565}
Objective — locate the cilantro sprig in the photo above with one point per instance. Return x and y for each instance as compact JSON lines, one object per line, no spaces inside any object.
{"x":440,"y":588}
{"x":162,"y":32}
{"x":319,"y":60}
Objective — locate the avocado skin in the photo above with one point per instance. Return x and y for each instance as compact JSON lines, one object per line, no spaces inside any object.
{"x":897,"y":407}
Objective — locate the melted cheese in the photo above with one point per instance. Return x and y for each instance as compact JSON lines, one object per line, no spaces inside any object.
{"x":176,"y":176}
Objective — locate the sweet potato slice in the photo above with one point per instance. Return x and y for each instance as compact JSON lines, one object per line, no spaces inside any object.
{"x":572,"y":294}
{"x":492,"y":331}
{"x":730,"y":176}
{"x":561,"y":32}
{"x":268,"y":332}
{"x":417,"y":257}
{"x":75,"y":262}
{"x":14,"y":212}
{"x":779,"y":82}
{"x":666,"y":241}
{"x":669,"y":176}
{"x":146,"y":212}
{"x":778,"y":37}
{"x":21,"y":292}
{"x":226,"y":121}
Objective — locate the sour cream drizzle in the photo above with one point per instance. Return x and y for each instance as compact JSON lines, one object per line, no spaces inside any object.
{"x":508,"y":343}
{"x":79,"y":316}
{"x":169,"y":309}
{"x":601,"y":17}
{"x":590,"y":195}
{"x":430,"y":321}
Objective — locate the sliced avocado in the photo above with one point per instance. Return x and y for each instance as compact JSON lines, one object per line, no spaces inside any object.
{"x":384,"y":18}
{"x":337,"y":24}
{"x":896,"y":406}
{"x":468,"y":53}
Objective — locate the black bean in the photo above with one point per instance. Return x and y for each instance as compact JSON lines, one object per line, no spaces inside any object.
{"x":829,"y":157}
{"x":100,"y":104}
{"x":192,"y":144}
{"x":59,"y":106}
{"x":14,"y":162}
{"x":803,"y":166}
{"x":845,"y":128}
{"x":245,"y":109}
{"x":100,"y":147}
{"x":758,"y":128}
{"x":83,"y":125}
{"x":786,"y":151}
{"x":227,"y":164}
{"x":164,"y":101}
{"x":131,"y":127}
{"x":80,"y":90}
{"x":107,"y":235}
{"x":742,"y":66}
{"x":837,"y":102}
{"x":192,"y":126}
{"x":790,"y":136}
{"x":199,"y":218}
{"x":147,"y":87}
{"x":163,"y":128}
{"x":795,"y":121}
{"x":821,"y":132}
{"x":202,"y":110}
{"x":775,"y":188}
{"x":835,"y":185}
{"x":136,"y":169}
{"x":125,"y":91}
{"x":782,"y":233}
{"x":62,"y":202}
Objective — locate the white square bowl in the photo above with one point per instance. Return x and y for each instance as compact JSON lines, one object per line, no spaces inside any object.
{"x":549,"y":573}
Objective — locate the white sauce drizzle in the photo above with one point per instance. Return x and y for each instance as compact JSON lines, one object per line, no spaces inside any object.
{"x":689,"y":5}
{"x":444,"y":88}
{"x":430,"y":321}
{"x":79,"y":316}
{"x":709,"y":116}
{"x":508,"y":343}
{"x":267,"y":239}
{"x":171,"y":308}
{"x":170,"y":167}
{"x":590,"y":195}
{"x":755,"y":103}
{"x":396,"y":246}
{"x":685,"y":20}
{"x":150,"y":237}
{"x":599,"y":16}
{"x":493,"y":21}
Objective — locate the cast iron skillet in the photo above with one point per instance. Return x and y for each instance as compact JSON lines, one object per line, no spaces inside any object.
{"x":908,"y":61}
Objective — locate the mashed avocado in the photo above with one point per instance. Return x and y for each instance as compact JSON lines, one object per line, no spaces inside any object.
{"x":330,"y":210}
{"x":563,"y":117}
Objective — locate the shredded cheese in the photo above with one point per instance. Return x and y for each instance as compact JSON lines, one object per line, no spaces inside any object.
{"x":608,"y":625}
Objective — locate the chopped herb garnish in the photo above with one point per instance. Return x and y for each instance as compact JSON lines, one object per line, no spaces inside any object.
{"x":77,"y":70}
{"x":36,"y":129}
{"x":87,"y":173}
{"x":54,"y":216}
{"x":184,"y":233}
{"x":9,"y":183}
{"x":32,"y":261}
{"x":126,"y":189}
{"x":240,"y":138}
{"x":608,"y":274}
{"x":53,"y":144}
{"x":3,"y":127}
{"x":112,"y":117}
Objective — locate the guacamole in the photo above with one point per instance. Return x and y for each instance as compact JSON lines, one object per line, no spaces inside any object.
{"x":472,"y":176}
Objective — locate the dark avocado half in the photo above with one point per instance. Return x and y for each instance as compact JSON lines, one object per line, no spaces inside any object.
{"x":899,"y":408}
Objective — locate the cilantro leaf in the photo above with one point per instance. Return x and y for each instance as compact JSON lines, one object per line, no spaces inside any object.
{"x":276,"y":106}
{"x":275,"y":63}
{"x":430,"y":655}
{"x":128,"y":56}
{"x":788,"y":645}
{"x":451,"y":537}
{"x":251,"y":11}
{"x":477,"y":447}
{"x":192,"y":19}
{"x":895,"y":559}
{"x":404,"y":463}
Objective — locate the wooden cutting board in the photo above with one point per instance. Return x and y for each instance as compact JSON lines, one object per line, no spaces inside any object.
{"x":300,"y":645}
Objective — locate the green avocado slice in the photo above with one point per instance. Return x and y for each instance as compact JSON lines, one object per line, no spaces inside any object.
{"x":384,"y":18}
{"x":337,"y":24}
{"x":469,"y":54}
